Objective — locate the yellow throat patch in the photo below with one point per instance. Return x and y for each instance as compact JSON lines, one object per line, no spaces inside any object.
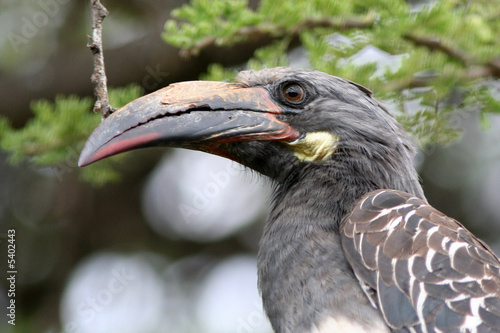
{"x":316,"y":146}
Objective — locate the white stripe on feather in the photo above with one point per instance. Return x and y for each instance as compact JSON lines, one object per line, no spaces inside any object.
{"x":428,"y":259}
{"x":421,"y":298}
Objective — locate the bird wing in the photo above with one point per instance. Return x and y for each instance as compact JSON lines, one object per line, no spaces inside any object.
{"x":421,"y":268}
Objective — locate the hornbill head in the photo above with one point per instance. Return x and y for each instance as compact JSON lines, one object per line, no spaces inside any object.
{"x":273,"y":121}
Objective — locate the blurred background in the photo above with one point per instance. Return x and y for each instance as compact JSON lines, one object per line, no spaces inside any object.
{"x":171,"y":248}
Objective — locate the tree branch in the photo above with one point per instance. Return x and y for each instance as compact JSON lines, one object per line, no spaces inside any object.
{"x":278,"y":31}
{"x":340,"y":24}
{"x":98,"y":78}
{"x":471,"y":73}
{"x":473,"y":69}
{"x":435,"y":44}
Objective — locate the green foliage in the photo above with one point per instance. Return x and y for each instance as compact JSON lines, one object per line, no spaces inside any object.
{"x":448,"y":46}
{"x":229,"y":15}
{"x":118,"y":97}
{"x":55,"y":135}
{"x":217,"y":72}
{"x":270,"y":56}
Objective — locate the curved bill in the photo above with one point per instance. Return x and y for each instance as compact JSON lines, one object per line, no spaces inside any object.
{"x":194,"y":115}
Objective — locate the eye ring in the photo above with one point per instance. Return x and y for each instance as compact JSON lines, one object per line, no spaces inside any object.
{"x":293,"y":93}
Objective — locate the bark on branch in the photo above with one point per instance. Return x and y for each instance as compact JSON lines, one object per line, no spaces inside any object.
{"x":435,"y":44}
{"x":277,"y":31}
{"x":475,"y":69}
{"x":98,"y":78}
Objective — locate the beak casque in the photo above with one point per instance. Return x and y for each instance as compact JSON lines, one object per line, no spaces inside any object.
{"x":196,"y":115}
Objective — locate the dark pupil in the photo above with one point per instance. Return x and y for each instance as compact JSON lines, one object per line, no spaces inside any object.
{"x":293,"y":93}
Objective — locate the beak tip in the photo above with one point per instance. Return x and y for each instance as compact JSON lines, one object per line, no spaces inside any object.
{"x":83,"y":160}
{"x":87,"y":156}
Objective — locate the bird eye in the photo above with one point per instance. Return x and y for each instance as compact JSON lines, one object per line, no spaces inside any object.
{"x":294,"y":93}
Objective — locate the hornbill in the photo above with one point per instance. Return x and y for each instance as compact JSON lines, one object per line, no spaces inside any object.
{"x":351,"y":244}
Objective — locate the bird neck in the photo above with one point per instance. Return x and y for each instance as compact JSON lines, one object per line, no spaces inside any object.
{"x":331,"y":188}
{"x":319,"y":192}
{"x":301,"y":246}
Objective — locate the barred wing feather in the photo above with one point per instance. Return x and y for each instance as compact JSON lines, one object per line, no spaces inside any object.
{"x":421,"y":268}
